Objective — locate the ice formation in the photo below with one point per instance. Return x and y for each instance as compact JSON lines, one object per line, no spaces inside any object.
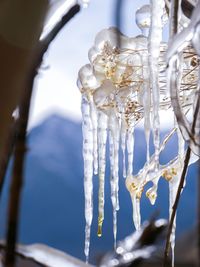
{"x":127,"y":81}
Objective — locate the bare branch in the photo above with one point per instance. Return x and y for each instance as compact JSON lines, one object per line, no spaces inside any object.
{"x":180,"y":188}
{"x":20,"y":147}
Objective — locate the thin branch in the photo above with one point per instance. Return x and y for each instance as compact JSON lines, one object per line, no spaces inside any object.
{"x":20,"y":148}
{"x":173,"y":28}
{"x":175,"y":206}
{"x":180,"y":188}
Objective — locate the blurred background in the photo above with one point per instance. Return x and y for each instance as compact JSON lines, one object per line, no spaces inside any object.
{"x":52,"y":210}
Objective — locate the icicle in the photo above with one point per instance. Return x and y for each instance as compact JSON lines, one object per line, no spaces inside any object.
{"x":135,"y":189}
{"x":114,"y":134}
{"x":115,"y":131}
{"x":130,"y":149}
{"x":143,"y":20}
{"x":128,"y":84}
{"x":123,"y":146}
{"x":146,"y":105}
{"x":88,"y":170}
{"x":116,"y":165}
{"x":172,"y":196}
{"x":111,"y":153}
{"x":152,"y":192}
{"x":136,"y":212}
{"x":115,"y":228}
{"x":147,"y":133}
{"x":102,"y":137}
{"x":93,"y":115}
{"x":135,"y":200}
{"x":112,"y":186}
{"x":155,"y":38}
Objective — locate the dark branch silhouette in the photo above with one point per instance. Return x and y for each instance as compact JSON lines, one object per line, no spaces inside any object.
{"x":20,"y":146}
{"x":8,"y":149}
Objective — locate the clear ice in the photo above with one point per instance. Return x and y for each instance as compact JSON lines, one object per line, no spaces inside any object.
{"x":128,"y":82}
{"x":88,"y":170}
{"x":155,"y":38}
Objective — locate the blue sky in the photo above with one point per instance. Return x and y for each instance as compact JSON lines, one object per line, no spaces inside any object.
{"x":55,"y":88}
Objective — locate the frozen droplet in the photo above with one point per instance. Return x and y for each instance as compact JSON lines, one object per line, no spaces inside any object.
{"x":136,"y":212}
{"x":152,"y":194}
{"x":85,"y":3}
{"x":143,"y":19}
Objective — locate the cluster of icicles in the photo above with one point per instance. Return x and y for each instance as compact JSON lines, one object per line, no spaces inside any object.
{"x":128,"y":81}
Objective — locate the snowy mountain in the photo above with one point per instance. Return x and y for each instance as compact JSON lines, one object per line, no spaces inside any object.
{"x":53,"y":202}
